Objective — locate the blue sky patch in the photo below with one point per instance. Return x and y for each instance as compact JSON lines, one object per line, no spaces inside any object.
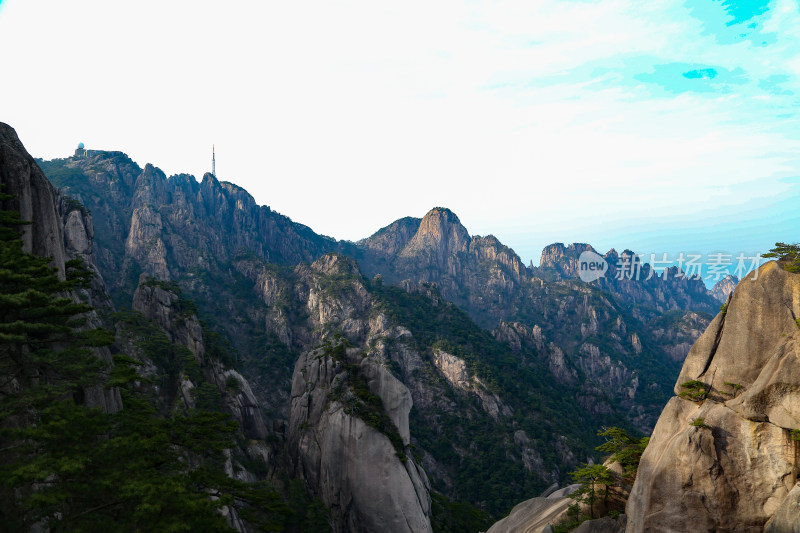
{"x":701,"y":73}
{"x":732,"y":21}
{"x":772,"y":85}
{"x":685,"y":77}
{"x":743,"y":10}
{"x":647,"y":77}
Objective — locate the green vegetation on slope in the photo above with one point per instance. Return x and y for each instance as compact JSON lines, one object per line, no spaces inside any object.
{"x":75,"y":467}
{"x":599,"y":485}
{"x":479,"y":452}
{"x":361,"y":402}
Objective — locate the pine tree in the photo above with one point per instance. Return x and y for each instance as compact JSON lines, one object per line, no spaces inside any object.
{"x":74,"y":468}
{"x":624,"y":448}
{"x":594,"y":481}
{"x":787,"y":254}
{"x":45,"y":364}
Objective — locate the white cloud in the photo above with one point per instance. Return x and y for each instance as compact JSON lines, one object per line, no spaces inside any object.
{"x":347,"y":115}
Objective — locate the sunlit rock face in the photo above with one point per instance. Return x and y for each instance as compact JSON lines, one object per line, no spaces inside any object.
{"x":724,"y":287}
{"x":728,"y":462}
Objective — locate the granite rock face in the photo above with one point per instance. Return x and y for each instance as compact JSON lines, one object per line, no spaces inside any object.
{"x":677,"y":331}
{"x":536,"y":515}
{"x":602,"y":525}
{"x":164,"y":226}
{"x":787,"y":518}
{"x":760,"y":318}
{"x":79,"y":244}
{"x":478,"y":273}
{"x":454,"y":370}
{"x":724,"y":287}
{"x":274,"y":289}
{"x":564,"y":259}
{"x":163,"y":306}
{"x":518,"y":335}
{"x":33,"y":197}
{"x":438,"y":240}
{"x":729,"y":462}
{"x":352,"y":465}
{"x":627,"y":277}
{"x":394,"y":237}
{"x":60,"y":229}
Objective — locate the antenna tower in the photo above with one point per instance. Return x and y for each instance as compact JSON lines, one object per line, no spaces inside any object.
{"x":213,"y":162}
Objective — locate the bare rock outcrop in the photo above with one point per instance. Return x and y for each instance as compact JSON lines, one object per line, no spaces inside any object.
{"x":518,"y":335}
{"x":144,"y":243}
{"x":759,"y":318}
{"x":535,"y":515}
{"x":473,"y":271}
{"x":728,"y":462}
{"x":391,"y":239}
{"x":32,"y":197}
{"x":158,"y":303}
{"x":633,"y":280}
{"x":439,"y":239}
{"x":161,"y":304}
{"x":602,"y":525}
{"x":454,"y":370}
{"x":347,"y":456}
{"x":724,"y":287}
{"x":787,"y":518}
{"x":564,"y":259}
{"x":676,"y":332}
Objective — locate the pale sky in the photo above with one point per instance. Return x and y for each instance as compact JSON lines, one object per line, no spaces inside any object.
{"x":660,"y":126}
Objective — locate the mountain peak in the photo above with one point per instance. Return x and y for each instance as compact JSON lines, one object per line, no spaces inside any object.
{"x":440,"y":233}
{"x":333,"y":264}
{"x":209,"y":178}
{"x":440,"y":220}
{"x":562,"y":258}
{"x":392,"y":238}
{"x":441,"y":211}
{"x":724,"y":287}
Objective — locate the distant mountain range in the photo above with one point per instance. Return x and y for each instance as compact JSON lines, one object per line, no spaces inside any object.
{"x":510,"y":370}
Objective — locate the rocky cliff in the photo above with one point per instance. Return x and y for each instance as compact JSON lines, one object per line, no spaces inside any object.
{"x":166,"y":226}
{"x":537,"y":514}
{"x":60,"y":228}
{"x":724,"y":287}
{"x":485,"y":406}
{"x":182,"y":366}
{"x":598,"y":334}
{"x":478,"y":273}
{"x":563,"y":259}
{"x":723,"y":455}
{"x":348,"y":437}
{"x":389,"y":327}
{"x":161,"y":304}
{"x":633,"y":281}
{"x":33,"y":198}
{"x":208,"y":236}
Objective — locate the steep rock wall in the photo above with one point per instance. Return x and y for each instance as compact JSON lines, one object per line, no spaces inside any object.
{"x":729,"y":462}
{"x":355,"y":468}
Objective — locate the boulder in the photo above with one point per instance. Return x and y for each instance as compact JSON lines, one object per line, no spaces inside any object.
{"x":728,"y":462}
